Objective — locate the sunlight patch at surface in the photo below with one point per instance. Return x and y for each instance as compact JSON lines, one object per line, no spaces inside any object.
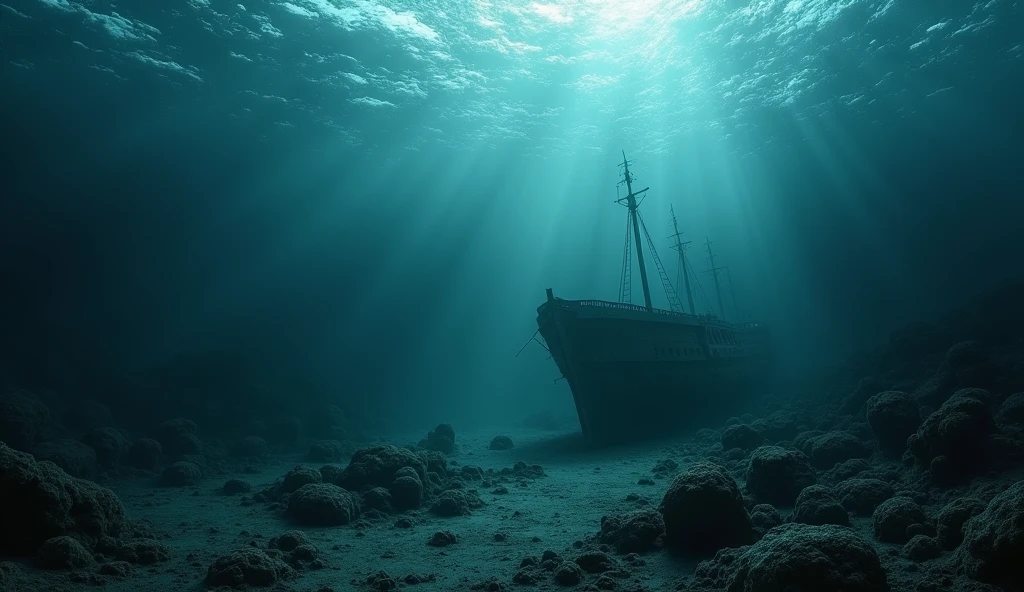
{"x":489,"y":72}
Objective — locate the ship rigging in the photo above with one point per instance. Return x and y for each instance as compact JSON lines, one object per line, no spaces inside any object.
{"x":635,"y":227}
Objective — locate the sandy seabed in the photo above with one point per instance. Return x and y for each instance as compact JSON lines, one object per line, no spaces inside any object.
{"x":199,"y":524}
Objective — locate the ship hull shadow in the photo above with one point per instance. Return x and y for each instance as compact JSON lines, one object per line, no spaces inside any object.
{"x":638,"y":376}
{"x":636,"y":401}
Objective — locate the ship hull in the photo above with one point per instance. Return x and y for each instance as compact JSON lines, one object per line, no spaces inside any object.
{"x":636,"y":374}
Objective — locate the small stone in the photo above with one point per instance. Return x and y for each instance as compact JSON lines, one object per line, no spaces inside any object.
{"x":442,"y":538}
{"x":236,"y":486}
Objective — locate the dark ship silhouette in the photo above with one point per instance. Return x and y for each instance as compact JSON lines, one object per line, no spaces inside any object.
{"x":637,"y":371}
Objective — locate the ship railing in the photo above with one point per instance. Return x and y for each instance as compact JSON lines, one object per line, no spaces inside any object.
{"x":638,"y":308}
{"x":707,"y":318}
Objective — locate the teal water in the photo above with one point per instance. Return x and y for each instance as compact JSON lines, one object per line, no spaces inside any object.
{"x":378,"y":193}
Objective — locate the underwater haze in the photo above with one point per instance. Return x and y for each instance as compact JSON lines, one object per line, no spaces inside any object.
{"x":374,"y":195}
{"x":274,"y":309}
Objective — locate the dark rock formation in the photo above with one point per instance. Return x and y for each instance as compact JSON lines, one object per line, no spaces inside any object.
{"x":862,"y":496}
{"x":251,"y":447}
{"x":832,"y":448}
{"x":109,"y":444}
{"x":502,"y":442}
{"x":377,"y":498}
{"x":797,"y":557}
{"x":921,"y":548}
{"x":893,"y":417}
{"x":442,"y":538}
{"x":777,"y":475}
{"x":952,"y":442}
{"x":247,"y":568}
{"x":596,"y":562}
{"x":184,"y":444}
{"x":144,"y":453}
{"x":48,"y":503}
{"x":378,"y":466}
{"x":141,"y":551}
{"x":741,"y":436}
{"x":1011,"y":412}
{"x":235,"y":487}
{"x":894,"y":516}
{"x":704,"y":511}
{"x":74,"y":457}
{"x":568,"y":574}
{"x":166,"y":432}
{"x":322,"y":504}
{"x":994,"y":542}
{"x":776,"y":427}
{"x":635,"y":532}
{"x":298,"y":477}
{"x":64,"y":552}
{"x":949,"y":523}
{"x":181,"y":474}
{"x":326,"y":451}
{"x":441,"y":439}
{"x":455,"y":503}
{"x":817,"y":506}
{"x":407,"y":489}
{"x":764,"y":517}
{"x":845,"y":470}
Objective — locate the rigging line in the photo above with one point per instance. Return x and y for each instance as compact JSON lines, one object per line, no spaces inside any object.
{"x":625,"y":278}
{"x":531,"y":340}
{"x":670,"y":291}
{"x":696,"y":280}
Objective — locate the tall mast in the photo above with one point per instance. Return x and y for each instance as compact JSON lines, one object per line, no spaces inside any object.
{"x":682,"y":258}
{"x":714,"y":273}
{"x":732,"y":294}
{"x":630,"y":200}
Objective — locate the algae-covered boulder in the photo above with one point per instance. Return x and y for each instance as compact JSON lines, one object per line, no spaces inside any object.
{"x":777,"y":475}
{"x":45,"y":502}
{"x":378,"y":466}
{"x":816,"y":505}
{"x":993,"y":542}
{"x":797,"y":557}
{"x":245,"y":568}
{"x":704,"y":511}
{"x":741,"y":436}
{"x":73,"y":457}
{"x":634,"y":532}
{"x":893,"y":417}
{"x":322,"y":504}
